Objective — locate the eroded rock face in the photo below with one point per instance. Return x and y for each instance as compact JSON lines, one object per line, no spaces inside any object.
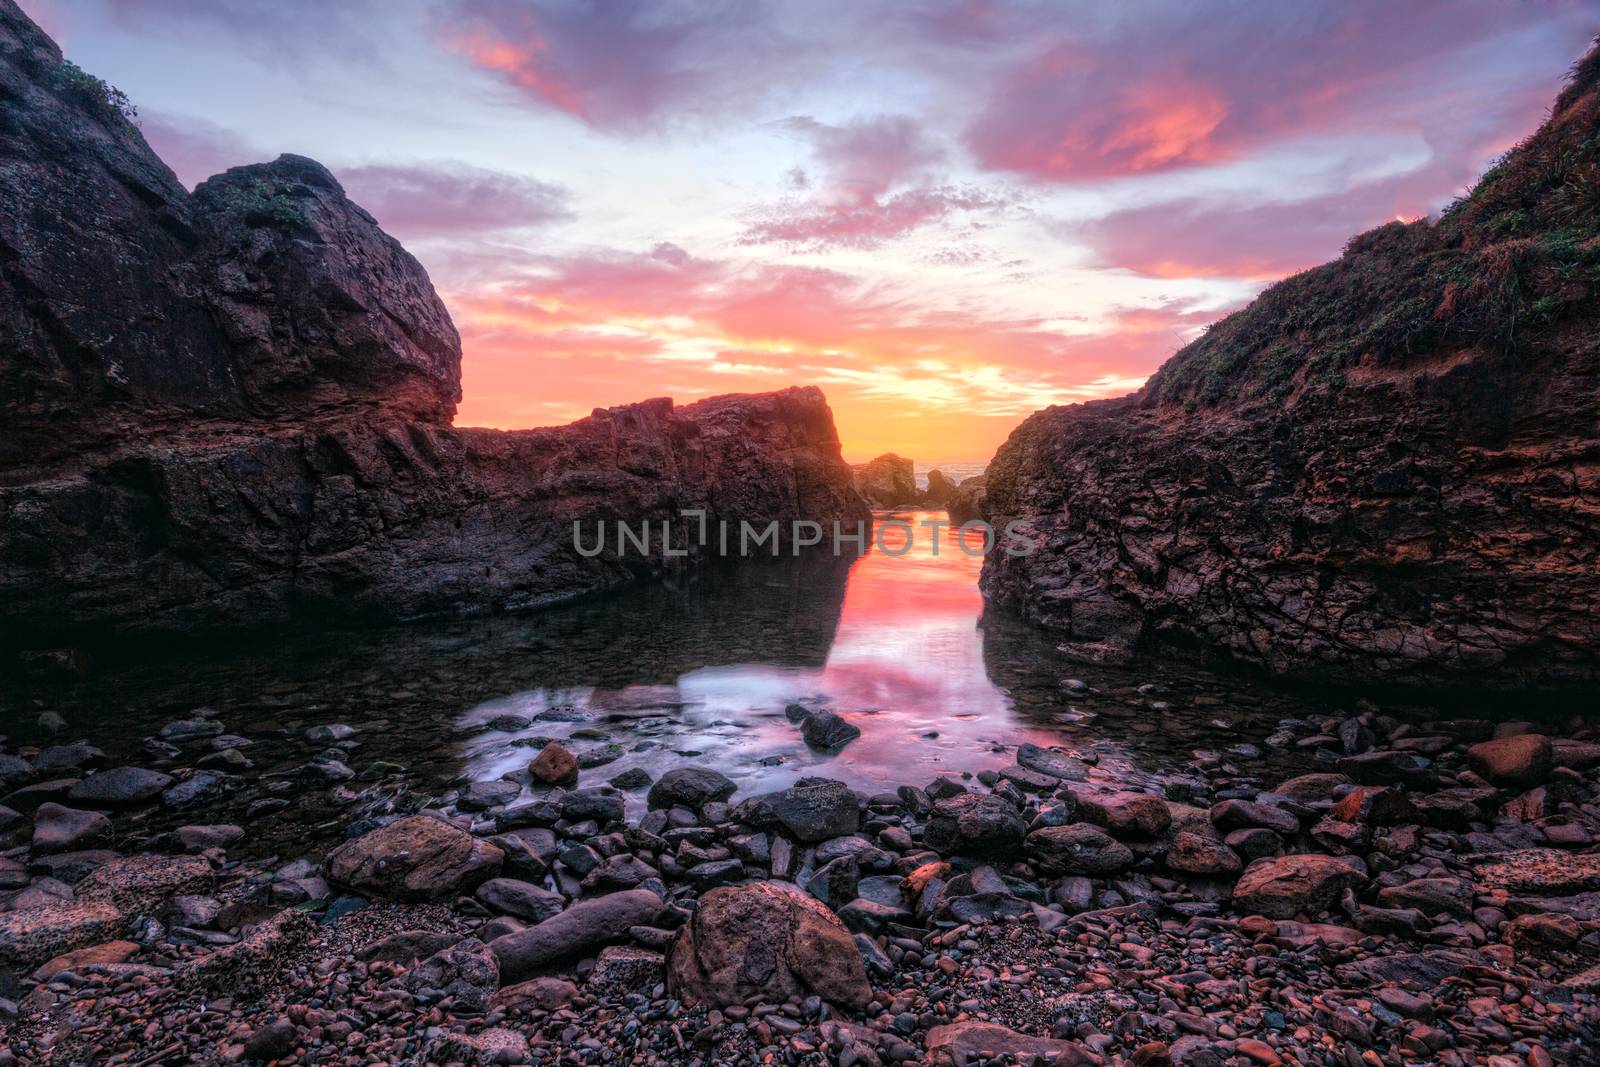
{"x":1367,"y":473}
{"x":765,"y":942}
{"x":231,"y":408}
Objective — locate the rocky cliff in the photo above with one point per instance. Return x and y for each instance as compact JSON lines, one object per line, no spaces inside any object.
{"x":1386,"y":467}
{"x":232,"y":407}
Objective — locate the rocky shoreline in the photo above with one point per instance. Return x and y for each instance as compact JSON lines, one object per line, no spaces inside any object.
{"x":1432,"y":896}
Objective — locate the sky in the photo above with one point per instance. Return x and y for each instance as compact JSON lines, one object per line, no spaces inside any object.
{"x":946,"y":214}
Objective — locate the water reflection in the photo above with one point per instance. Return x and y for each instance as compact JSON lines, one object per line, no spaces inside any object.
{"x":658,"y":675}
{"x":932,"y":688}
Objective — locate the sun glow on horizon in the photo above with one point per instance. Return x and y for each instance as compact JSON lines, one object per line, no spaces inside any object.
{"x":946,"y":216}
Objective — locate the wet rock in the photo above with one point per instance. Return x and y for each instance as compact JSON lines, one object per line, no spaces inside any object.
{"x":1194,"y":854}
{"x":1125,"y":814}
{"x":190,"y":730}
{"x":825,"y":730}
{"x":554,"y":765}
{"x":1431,"y":896}
{"x":1411,"y":970}
{"x":480,"y":796}
{"x":145,"y":885}
{"x":603,"y":805}
{"x":631,"y":780}
{"x":713,"y":873}
{"x":1232,"y":815}
{"x":1253,"y":843}
{"x":61,"y":829}
{"x":414,"y":858}
{"x":765,"y":942}
{"x":1387,"y":768}
{"x":690,"y":787}
{"x":536,"y":994}
{"x":467,"y":972}
{"x":202,"y":787}
{"x":275,"y":1041}
{"x":1374,"y":805}
{"x":112,"y":952}
{"x":958,"y":1044}
{"x":975,"y":824}
{"x":1532,"y":933}
{"x":119,"y":787}
{"x":813,"y":809}
{"x":1540,"y":871}
{"x":522,"y":899}
{"x":74,"y":758}
{"x":622,"y":871}
{"x":1517,"y":762}
{"x":1285,"y":886}
{"x":1077,"y":849}
{"x":584,"y":927}
{"x":30,"y":936}
{"x":406,"y":947}
{"x":200,"y":838}
{"x":623,"y":969}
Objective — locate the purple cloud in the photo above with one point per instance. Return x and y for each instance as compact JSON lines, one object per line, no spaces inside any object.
{"x":441,"y":199}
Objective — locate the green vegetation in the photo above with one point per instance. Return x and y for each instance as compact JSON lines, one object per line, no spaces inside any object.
{"x":106,"y":102}
{"x":262,"y":204}
{"x":1501,"y":265}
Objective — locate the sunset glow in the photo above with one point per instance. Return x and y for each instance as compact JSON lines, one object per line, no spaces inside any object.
{"x":947,"y":215}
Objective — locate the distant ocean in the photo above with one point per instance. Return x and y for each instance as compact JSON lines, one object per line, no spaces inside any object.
{"x":956,"y":472}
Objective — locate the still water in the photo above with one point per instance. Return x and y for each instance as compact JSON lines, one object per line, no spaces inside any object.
{"x":659,"y":676}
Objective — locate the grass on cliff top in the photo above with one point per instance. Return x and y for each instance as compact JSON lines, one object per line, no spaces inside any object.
{"x":1502,"y":264}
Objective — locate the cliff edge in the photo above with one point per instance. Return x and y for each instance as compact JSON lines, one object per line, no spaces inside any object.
{"x":232,"y":407}
{"x":1387,"y":467}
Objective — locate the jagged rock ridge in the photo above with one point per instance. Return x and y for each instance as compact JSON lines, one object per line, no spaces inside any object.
{"x":232,"y":407}
{"x":1385,"y":467}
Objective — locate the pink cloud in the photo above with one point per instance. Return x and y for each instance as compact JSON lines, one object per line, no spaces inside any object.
{"x":620,"y":65}
{"x":867,"y":224}
{"x":1206,"y":86}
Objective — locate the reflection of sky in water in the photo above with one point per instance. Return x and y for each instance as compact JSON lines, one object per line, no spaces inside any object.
{"x":906,"y":666}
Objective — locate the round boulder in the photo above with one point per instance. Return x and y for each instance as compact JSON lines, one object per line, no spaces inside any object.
{"x":690,"y":787}
{"x":765,"y":941}
{"x":1077,"y":849}
{"x":1284,"y":886}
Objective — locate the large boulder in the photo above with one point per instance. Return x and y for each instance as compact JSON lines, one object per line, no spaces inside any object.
{"x":690,"y":787}
{"x":414,"y":859}
{"x":30,"y":936}
{"x":582,"y":928}
{"x":1125,"y":814}
{"x":887,"y":482}
{"x":57,"y":828}
{"x":1284,"y":886}
{"x":813,"y":809}
{"x":120,"y":787}
{"x":1078,"y":848}
{"x":1518,"y":762}
{"x":765,"y":942}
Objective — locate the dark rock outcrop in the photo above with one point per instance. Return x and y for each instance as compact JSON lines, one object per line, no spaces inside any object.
{"x":1384,"y":467}
{"x":232,"y":408}
{"x":887,"y":482}
{"x":966,"y":502}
